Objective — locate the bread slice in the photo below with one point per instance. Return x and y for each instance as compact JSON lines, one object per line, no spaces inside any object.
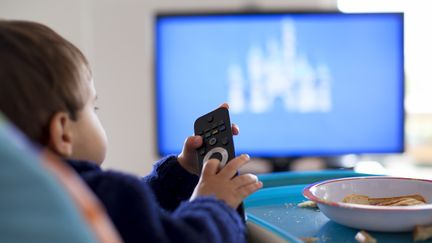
{"x":388,"y":201}
{"x":407,"y":200}
{"x":356,"y":199}
{"x":401,"y":202}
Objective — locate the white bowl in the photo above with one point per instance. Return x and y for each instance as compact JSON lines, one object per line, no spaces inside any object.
{"x":329,"y":194}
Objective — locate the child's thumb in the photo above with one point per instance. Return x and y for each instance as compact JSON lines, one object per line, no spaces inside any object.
{"x":192,"y":143}
{"x":210,"y":167}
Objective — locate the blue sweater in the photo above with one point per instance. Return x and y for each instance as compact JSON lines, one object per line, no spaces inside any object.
{"x":156,"y":208}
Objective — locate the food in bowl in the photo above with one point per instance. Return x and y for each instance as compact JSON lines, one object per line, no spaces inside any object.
{"x":330,"y":194}
{"x":406,"y":200}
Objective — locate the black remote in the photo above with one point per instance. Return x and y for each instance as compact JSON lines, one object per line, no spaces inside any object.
{"x":215,"y":129}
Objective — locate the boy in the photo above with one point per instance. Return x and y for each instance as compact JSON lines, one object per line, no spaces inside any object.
{"x":46,"y":90}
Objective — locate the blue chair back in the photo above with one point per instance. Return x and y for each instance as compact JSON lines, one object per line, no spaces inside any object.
{"x":34,"y":207}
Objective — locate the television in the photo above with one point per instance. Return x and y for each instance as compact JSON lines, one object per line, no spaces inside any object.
{"x":298,"y":83}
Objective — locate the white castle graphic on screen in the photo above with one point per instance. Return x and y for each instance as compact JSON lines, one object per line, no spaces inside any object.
{"x":278,"y":72}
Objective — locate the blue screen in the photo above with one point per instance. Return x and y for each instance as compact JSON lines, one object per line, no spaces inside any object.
{"x":297,"y":84}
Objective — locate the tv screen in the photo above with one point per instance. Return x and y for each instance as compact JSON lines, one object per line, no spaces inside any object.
{"x":298,"y":84}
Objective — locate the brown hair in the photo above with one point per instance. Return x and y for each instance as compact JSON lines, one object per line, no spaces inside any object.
{"x":41,"y":73}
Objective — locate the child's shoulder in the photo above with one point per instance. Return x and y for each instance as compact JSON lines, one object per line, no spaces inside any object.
{"x":107,"y":181}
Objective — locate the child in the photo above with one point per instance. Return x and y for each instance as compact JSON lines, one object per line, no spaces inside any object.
{"x":46,"y":90}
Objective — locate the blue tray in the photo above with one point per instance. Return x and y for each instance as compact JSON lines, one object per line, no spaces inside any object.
{"x":275,"y":209}
{"x":305,"y":177}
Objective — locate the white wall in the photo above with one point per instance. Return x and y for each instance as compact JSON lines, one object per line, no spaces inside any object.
{"x":116,"y":36}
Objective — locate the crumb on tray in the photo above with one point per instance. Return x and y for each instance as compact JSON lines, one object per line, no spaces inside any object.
{"x":364,"y":237}
{"x":308,"y":204}
{"x":309,"y":239}
{"x":422,"y":233}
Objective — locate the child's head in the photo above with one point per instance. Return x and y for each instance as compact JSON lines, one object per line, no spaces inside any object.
{"x":46,"y":90}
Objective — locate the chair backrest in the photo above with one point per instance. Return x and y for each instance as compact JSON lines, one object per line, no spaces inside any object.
{"x":42,"y":199}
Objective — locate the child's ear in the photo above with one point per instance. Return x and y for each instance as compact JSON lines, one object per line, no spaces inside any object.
{"x":60,"y":140}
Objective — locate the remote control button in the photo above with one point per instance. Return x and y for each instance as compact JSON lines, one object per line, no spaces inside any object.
{"x":207,"y":130}
{"x":219,"y":150}
{"x":222,"y":128}
{"x":215,"y":132}
{"x":225,"y":141}
{"x":210,"y":118}
{"x":217,"y":156}
{"x":212,"y":141}
{"x":215,"y":125}
{"x":207,"y":135}
{"x":221,"y":122}
{"x":202,"y":151}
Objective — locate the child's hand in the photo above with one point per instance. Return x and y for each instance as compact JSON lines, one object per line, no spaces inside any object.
{"x":223,"y":184}
{"x":188,"y":158}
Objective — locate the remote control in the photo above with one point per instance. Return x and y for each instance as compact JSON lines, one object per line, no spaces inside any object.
{"x":215,"y":129}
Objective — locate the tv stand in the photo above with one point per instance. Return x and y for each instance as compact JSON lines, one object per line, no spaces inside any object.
{"x":313,"y":163}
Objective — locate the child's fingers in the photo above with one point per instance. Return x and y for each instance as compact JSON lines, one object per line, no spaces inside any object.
{"x":210,"y":167}
{"x":245,"y":191}
{"x":243,"y":180}
{"x":235,"y":129}
{"x":230,"y":170}
{"x":224,"y":105}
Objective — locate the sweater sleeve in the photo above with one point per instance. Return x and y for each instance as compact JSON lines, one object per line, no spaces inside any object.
{"x":133,"y":208}
{"x":170,"y":182}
